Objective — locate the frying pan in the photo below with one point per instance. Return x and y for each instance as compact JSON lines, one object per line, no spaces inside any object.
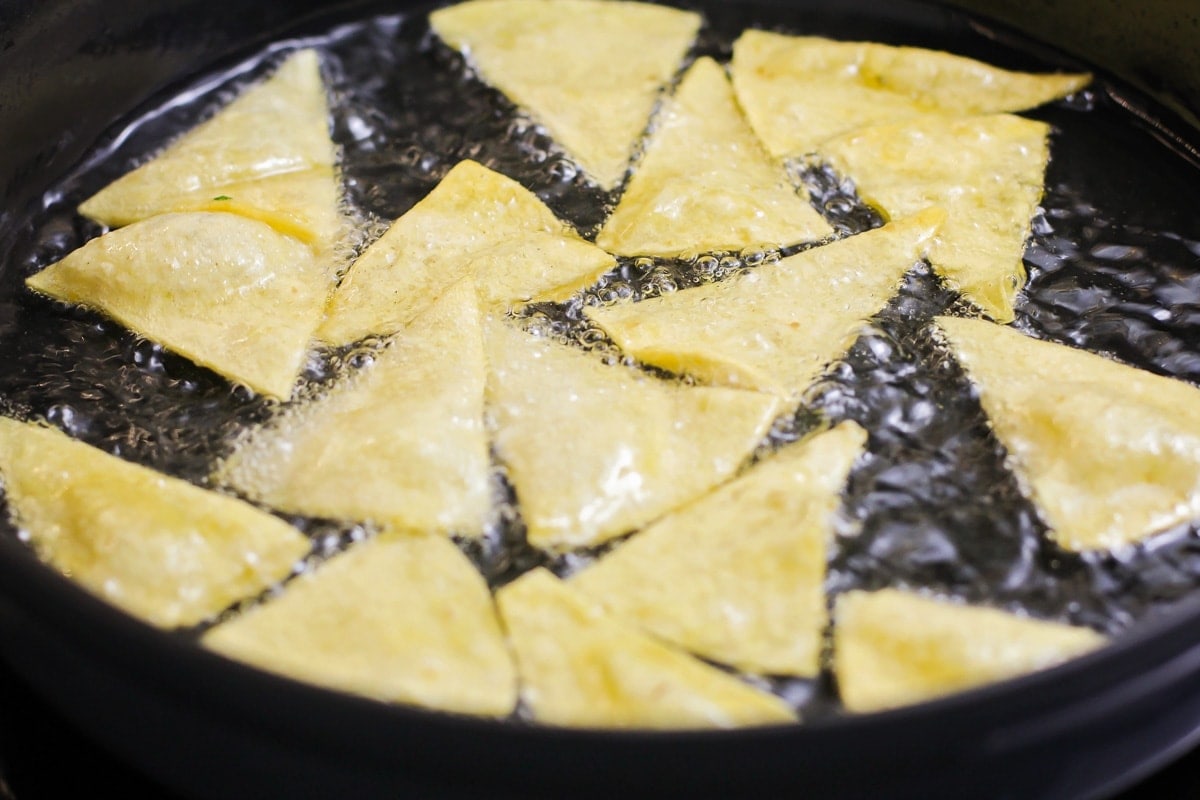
{"x":210,"y":728}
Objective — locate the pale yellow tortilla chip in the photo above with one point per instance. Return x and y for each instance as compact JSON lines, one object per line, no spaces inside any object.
{"x":895,"y":648}
{"x":158,"y":547}
{"x":446,"y":237}
{"x":1110,"y":454}
{"x":738,"y":576}
{"x":773,"y":329}
{"x":705,"y":183}
{"x":536,"y":267}
{"x":269,"y":151}
{"x":798,"y":91}
{"x":590,"y":71}
{"x":596,"y":450}
{"x":227,"y":292}
{"x":398,"y":618}
{"x":303,"y":205}
{"x":581,"y":668}
{"x":400,"y":443}
{"x":987,"y":172}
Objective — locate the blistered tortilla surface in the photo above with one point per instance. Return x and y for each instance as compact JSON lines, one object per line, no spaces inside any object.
{"x":590,"y":71}
{"x":987,"y":173}
{"x":894,"y":648}
{"x":536,"y":267}
{"x":474,"y":222}
{"x":581,"y":668}
{"x":228,"y":292}
{"x":596,"y":450}
{"x":398,"y":618}
{"x":799,"y":91}
{"x":1110,"y":454}
{"x":158,"y":547}
{"x":738,"y":576}
{"x":401,"y":442}
{"x":773,"y":328}
{"x":705,"y":182}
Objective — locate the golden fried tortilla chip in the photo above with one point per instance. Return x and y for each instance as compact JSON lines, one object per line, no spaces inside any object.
{"x":590,"y":71}
{"x":581,"y":668}
{"x":895,"y":648}
{"x":774,"y":328}
{"x":475,"y":222}
{"x":267,"y":155}
{"x":303,"y":205}
{"x":227,"y":292}
{"x":987,"y":172}
{"x":157,"y":547}
{"x":705,"y":183}
{"x":595,"y":450}
{"x":400,"y":442}
{"x":1110,"y":454}
{"x":738,"y":576}
{"x":798,"y":91}
{"x":536,"y":267}
{"x":398,"y":618}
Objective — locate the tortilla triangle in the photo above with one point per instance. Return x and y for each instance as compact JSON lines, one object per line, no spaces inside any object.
{"x":737,"y":576}
{"x":227,"y":292}
{"x":987,"y":172}
{"x":1110,"y":454}
{"x":581,"y":668}
{"x":400,"y":442}
{"x":705,"y":183}
{"x":799,"y":91}
{"x":397,"y":618}
{"x":590,"y":71}
{"x":775,"y":328}
{"x":156,"y":546}
{"x":596,"y":450}
{"x":267,"y":154}
{"x":448,"y":236}
{"x":895,"y":648}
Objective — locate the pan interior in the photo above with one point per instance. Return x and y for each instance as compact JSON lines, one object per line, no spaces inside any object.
{"x":1112,"y":269}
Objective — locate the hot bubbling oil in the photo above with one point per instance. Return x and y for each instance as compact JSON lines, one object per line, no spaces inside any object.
{"x":1112,"y":268}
